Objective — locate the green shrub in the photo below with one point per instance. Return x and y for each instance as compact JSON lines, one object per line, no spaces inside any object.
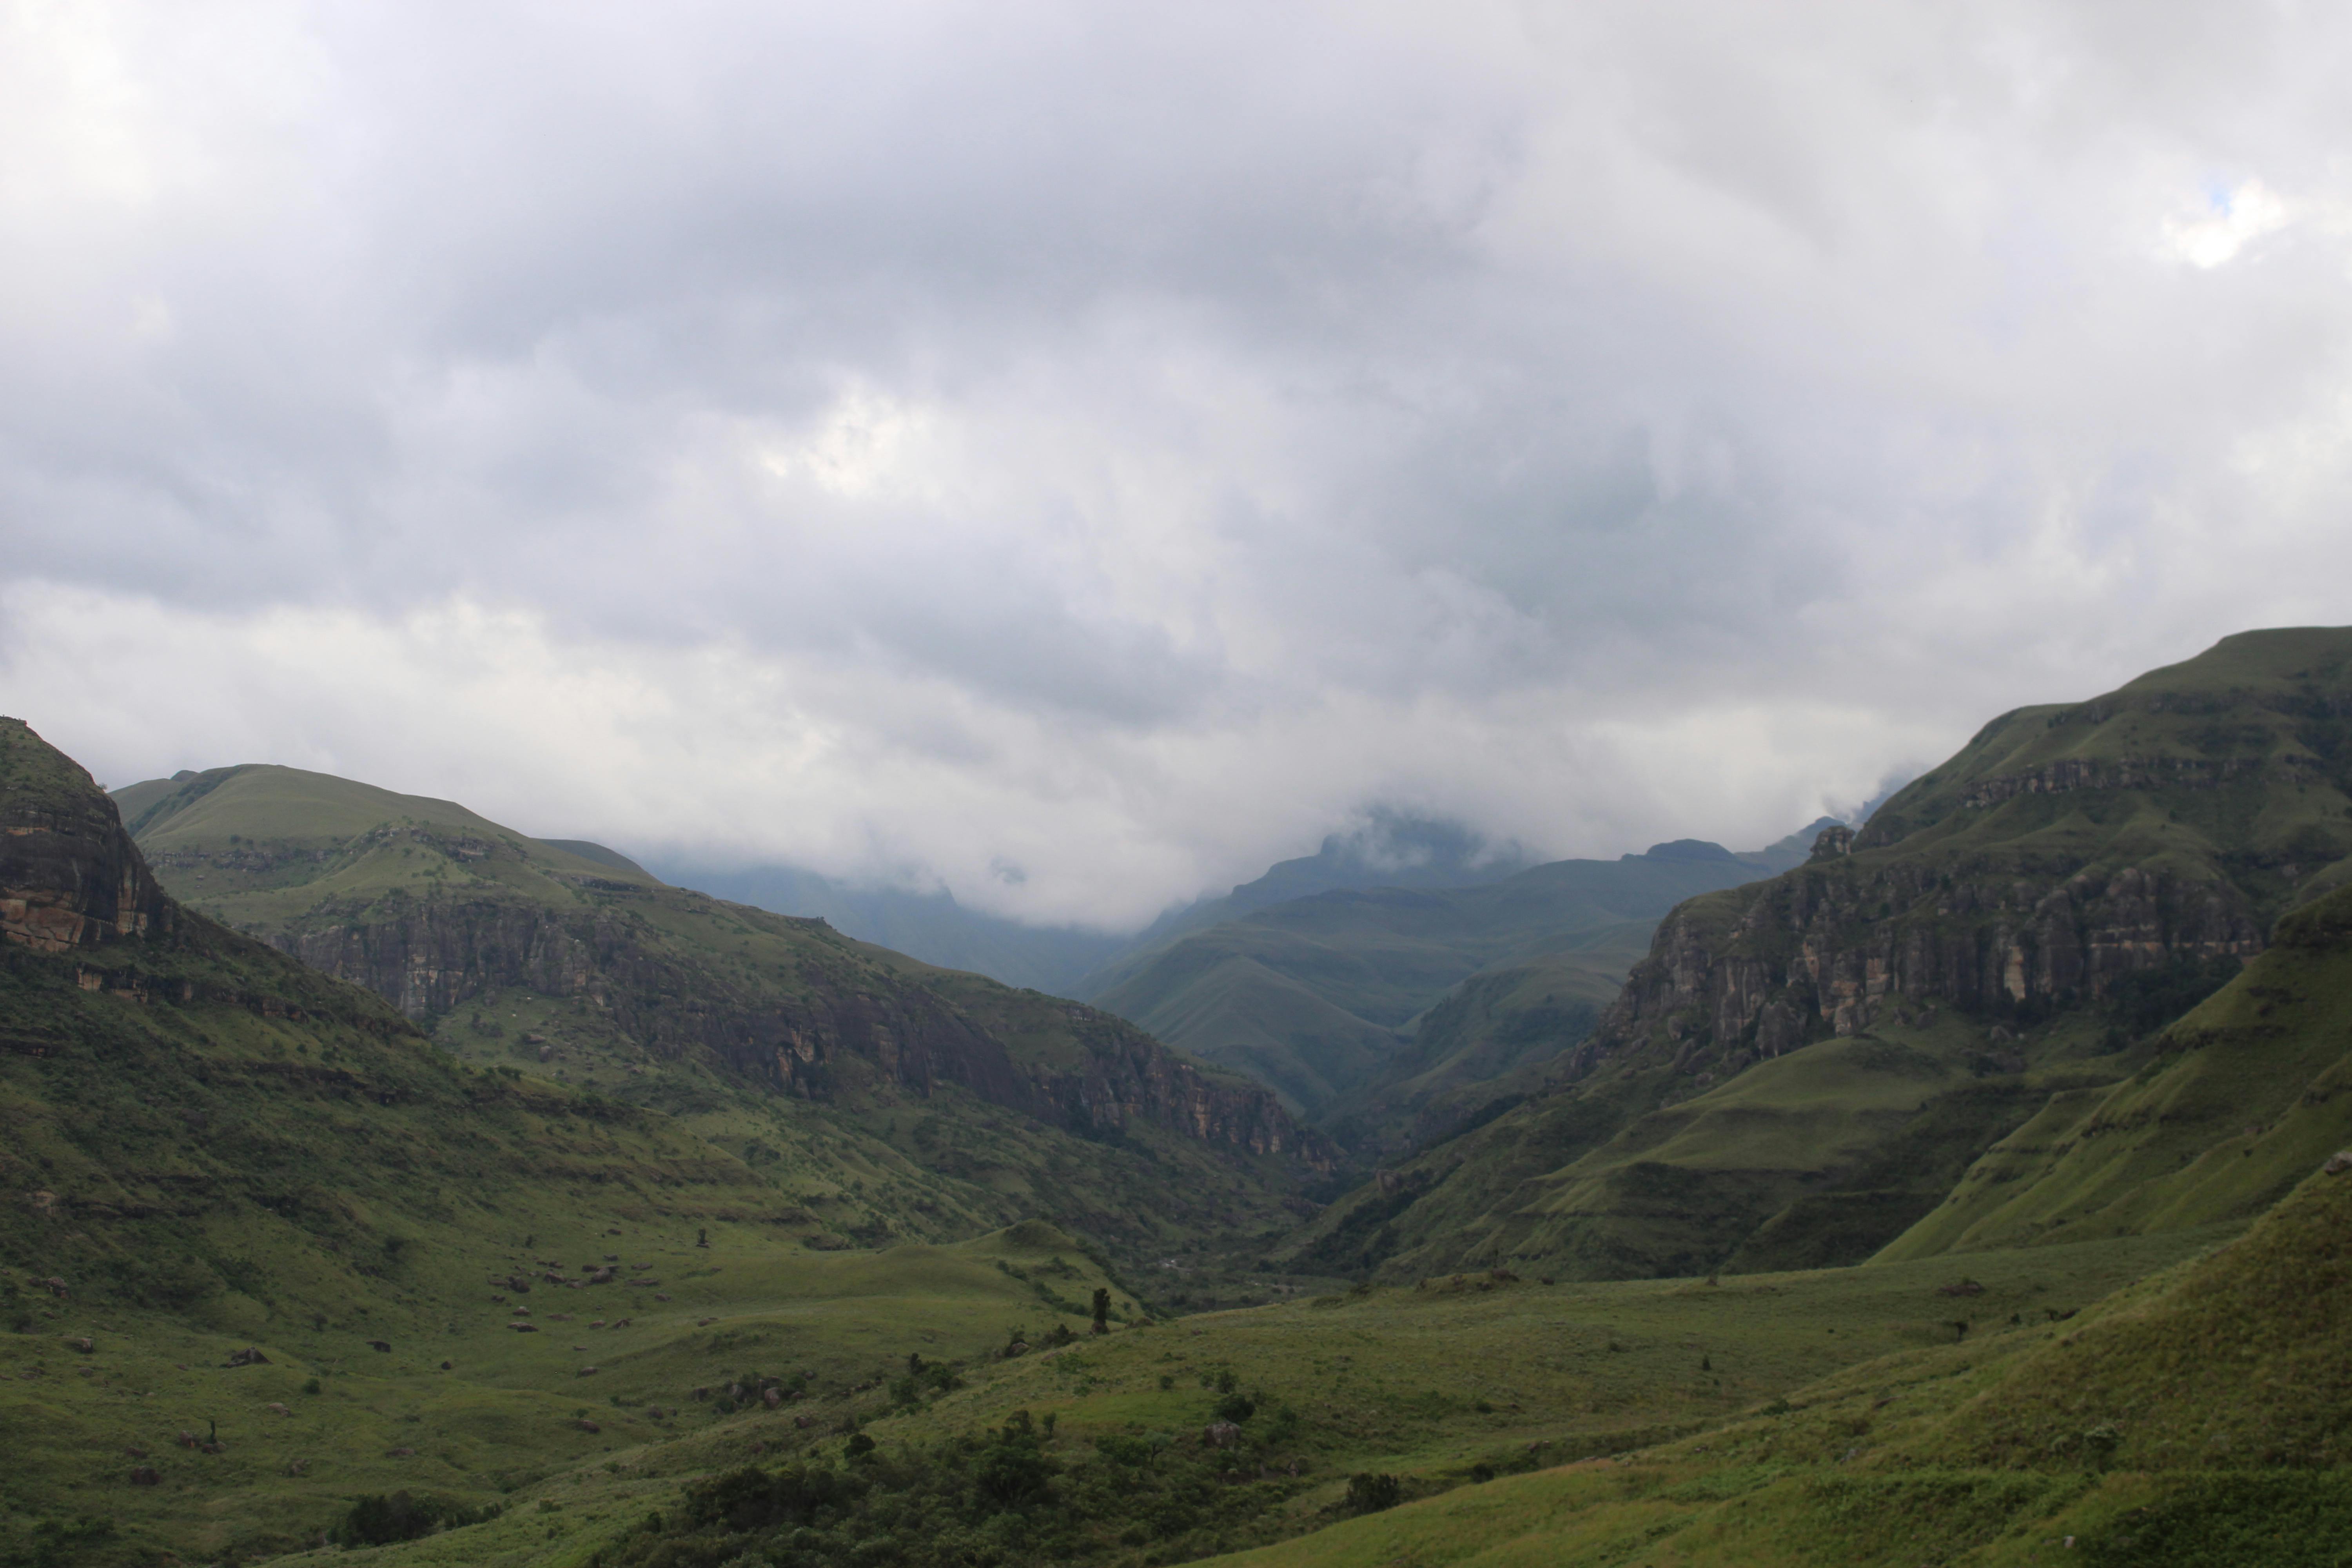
{"x":378,"y":1520}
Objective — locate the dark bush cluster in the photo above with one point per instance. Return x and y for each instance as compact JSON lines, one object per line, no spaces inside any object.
{"x":923,"y":1380}
{"x":378,"y":1520}
{"x":1009,"y":1494}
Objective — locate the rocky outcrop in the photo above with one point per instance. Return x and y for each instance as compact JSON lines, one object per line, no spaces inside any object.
{"x":845,"y":1023}
{"x":1130,"y":1076}
{"x":1832,"y":947}
{"x":70,"y":876}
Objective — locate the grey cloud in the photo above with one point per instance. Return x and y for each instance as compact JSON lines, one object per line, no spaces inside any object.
{"x":1137,"y":441}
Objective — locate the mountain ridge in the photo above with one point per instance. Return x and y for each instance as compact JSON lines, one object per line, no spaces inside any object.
{"x":1313,"y":994}
{"x":512,"y":950}
{"x":1813,"y":1061}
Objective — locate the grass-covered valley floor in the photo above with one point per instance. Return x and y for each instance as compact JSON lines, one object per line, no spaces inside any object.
{"x":1112,"y":1457}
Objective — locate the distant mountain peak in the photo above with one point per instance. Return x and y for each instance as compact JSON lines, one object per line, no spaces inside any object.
{"x":1685,"y":849}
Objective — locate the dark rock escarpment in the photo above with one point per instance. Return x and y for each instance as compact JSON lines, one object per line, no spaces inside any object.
{"x":70,"y":876}
{"x":1830,"y":948}
{"x":428,"y":957}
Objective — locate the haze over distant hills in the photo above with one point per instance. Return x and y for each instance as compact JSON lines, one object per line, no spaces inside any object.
{"x":1390,"y":849}
{"x":930,"y":926}
{"x":1318,"y":994}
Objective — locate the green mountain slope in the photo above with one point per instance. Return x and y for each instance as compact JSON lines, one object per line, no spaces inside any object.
{"x":887,"y":1099}
{"x":1394,"y":849}
{"x":1487,"y":1043}
{"x":1805,"y":1066}
{"x":2239,"y":1099}
{"x":2197,"y":1417}
{"x":209,"y":1149}
{"x":1315,"y":996}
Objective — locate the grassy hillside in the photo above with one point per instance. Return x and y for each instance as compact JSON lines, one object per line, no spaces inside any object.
{"x":247,"y":1203}
{"x":1803,"y":1067}
{"x":2235,"y":1105}
{"x":2199,"y":1417}
{"x":879,"y":1098}
{"x":1487,"y":1043}
{"x":1316,"y":995}
{"x":1102,"y":1452}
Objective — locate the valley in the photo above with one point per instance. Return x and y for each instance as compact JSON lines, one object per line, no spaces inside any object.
{"x":380,"y":1179}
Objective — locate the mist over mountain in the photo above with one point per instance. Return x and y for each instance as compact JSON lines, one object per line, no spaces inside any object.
{"x":930,"y":926}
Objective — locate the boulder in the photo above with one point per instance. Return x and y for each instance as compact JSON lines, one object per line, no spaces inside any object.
{"x":145,"y":1476}
{"x":1221,"y":1433}
{"x":2338,"y":1163}
{"x":380,"y":1346}
{"x":251,"y":1356}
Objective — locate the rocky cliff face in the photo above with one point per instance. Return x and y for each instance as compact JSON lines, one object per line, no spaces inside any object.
{"x":842,"y":1022}
{"x":2065,"y":848}
{"x":1832,"y":948}
{"x":70,"y":876}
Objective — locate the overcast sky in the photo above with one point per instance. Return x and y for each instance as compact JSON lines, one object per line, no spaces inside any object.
{"x":1076,"y":454}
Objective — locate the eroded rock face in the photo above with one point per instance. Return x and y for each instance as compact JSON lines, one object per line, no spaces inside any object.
{"x":1832,"y":947}
{"x":433,"y":957}
{"x":70,"y":876}
{"x":2063,"y":849}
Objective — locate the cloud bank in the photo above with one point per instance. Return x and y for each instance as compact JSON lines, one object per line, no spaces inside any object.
{"x":1076,"y":456}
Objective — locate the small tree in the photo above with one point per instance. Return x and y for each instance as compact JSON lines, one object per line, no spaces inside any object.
{"x":1102,"y":1310}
